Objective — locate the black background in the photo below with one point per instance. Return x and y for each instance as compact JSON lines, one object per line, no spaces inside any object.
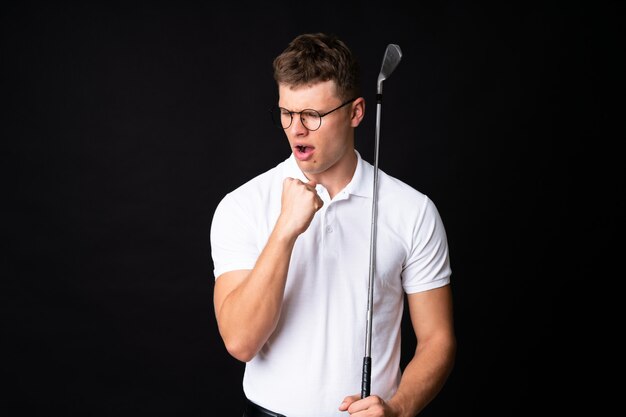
{"x":125,"y":123}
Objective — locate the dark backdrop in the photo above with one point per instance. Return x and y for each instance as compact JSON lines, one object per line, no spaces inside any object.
{"x":124,"y":124}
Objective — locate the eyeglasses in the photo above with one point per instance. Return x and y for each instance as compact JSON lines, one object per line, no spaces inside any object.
{"x":311,"y":119}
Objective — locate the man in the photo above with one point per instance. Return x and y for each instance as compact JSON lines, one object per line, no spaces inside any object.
{"x":291,"y":249}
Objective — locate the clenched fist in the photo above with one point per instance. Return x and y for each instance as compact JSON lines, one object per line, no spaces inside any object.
{"x":299,"y":203}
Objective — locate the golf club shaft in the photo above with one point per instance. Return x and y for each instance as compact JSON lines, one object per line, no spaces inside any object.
{"x":367,"y":360}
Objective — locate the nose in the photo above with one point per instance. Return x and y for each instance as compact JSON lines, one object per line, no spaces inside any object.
{"x":297,"y":128}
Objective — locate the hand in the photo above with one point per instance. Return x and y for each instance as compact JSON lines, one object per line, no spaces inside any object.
{"x":299,"y":203}
{"x":372,"y":406}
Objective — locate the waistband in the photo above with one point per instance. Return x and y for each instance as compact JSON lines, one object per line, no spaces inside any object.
{"x":255,"y":410}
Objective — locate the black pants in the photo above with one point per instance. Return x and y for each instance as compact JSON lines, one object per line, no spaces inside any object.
{"x":254,"y":410}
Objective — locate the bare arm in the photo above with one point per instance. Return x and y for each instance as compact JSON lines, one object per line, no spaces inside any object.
{"x":426,"y":373}
{"x":248,"y":302}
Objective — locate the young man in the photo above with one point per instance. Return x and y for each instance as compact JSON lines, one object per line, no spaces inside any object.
{"x":291,"y":249}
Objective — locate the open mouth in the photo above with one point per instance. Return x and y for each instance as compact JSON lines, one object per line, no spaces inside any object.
{"x":303,"y":152}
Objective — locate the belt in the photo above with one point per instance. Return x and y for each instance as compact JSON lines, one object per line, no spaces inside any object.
{"x":255,"y":410}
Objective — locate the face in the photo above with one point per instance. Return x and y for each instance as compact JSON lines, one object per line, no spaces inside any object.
{"x":329,"y":149}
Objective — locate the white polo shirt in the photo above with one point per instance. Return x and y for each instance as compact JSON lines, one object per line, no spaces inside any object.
{"x":315,"y":356}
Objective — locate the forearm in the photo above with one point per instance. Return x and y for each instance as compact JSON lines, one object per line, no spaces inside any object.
{"x":424,"y":376}
{"x":249,"y":313}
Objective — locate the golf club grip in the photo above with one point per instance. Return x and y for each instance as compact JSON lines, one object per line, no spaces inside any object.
{"x":367,"y":373}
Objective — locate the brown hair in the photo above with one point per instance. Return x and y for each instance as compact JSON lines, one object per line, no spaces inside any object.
{"x":317,"y":57}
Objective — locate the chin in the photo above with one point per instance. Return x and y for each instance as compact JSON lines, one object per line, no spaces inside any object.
{"x":310,"y":167}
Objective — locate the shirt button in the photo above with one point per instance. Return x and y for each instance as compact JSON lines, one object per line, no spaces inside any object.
{"x":329,"y":229}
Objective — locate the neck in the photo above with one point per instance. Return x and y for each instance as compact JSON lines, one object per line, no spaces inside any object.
{"x":336,"y":178}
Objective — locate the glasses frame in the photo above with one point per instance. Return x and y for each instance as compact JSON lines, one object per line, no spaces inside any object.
{"x":321,"y":115}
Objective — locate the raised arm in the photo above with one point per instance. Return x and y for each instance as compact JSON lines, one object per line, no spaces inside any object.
{"x":248,"y":302}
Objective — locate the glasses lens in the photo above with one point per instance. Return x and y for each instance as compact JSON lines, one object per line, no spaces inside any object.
{"x":285,"y":118}
{"x":311,"y":119}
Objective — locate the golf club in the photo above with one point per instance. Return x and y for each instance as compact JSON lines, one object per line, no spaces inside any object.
{"x":392,"y":57}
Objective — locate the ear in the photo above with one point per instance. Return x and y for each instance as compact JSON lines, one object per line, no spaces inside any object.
{"x":358,"y":112}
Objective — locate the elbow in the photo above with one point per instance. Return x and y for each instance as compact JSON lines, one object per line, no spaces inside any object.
{"x":241,"y":350}
{"x":451,"y":352}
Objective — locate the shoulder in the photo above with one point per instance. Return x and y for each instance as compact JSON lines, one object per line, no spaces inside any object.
{"x":404,"y":202}
{"x":396,"y":189}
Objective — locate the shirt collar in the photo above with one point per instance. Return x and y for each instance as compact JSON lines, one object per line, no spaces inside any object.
{"x":361,"y":183}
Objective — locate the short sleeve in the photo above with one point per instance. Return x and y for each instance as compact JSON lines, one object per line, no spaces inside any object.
{"x":428,"y":264}
{"x":233,"y":244}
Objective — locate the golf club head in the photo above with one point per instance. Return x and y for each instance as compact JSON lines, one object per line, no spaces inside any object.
{"x":392,"y":58}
